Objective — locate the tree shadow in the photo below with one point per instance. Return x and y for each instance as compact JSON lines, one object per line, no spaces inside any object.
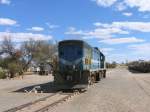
{"x":133,"y":71}
{"x":137,"y":72}
{"x":49,"y":87}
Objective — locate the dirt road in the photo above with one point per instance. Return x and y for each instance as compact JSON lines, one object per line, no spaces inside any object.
{"x":121,"y":91}
{"x":10,"y":99}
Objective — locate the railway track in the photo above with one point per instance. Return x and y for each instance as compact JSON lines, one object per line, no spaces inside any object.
{"x":46,"y":103}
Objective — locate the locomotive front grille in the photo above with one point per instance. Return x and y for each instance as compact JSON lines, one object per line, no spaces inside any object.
{"x":69,"y":78}
{"x":72,"y":77}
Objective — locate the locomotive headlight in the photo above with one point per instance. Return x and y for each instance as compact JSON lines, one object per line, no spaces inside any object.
{"x":90,"y":61}
{"x":74,"y":66}
{"x":86,"y":61}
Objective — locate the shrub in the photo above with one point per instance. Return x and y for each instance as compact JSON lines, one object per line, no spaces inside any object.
{"x":14,"y":68}
{"x":2,"y":74}
{"x":139,"y":66}
{"x":111,"y":65}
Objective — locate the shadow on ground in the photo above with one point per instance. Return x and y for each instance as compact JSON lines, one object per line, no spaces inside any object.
{"x":49,"y":87}
{"x":134,"y":71}
{"x":137,"y":72}
{"x":45,"y":88}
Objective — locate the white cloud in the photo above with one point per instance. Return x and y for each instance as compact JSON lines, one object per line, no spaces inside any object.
{"x":127,"y":14}
{"x":105,"y":3}
{"x":7,"y":21}
{"x":142,"y":5}
{"x":20,"y":37}
{"x":143,"y":48}
{"x":118,"y":57}
{"x":7,"y":2}
{"x":122,"y":40}
{"x":106,"y":51}
{"x":108,"y":33}
{"x":73,"y":31}
{"x":99,"y":24}
{"x":100,"y":33}
{"x":52,"y":26}
{"x":138,"y":26}
{"x":36,"y":29}
{"x":121,"y":6}
{"x":126,"y":25}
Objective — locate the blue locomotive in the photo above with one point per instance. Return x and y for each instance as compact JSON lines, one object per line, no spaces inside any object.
{"x":79,"y":65}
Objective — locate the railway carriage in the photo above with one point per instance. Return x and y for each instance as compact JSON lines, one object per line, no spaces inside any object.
{"x":79,"y":65}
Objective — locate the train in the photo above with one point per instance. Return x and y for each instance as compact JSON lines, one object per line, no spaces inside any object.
{"x":79,"y":65}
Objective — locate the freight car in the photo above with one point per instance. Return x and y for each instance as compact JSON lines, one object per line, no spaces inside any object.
{"x":80,"y":65}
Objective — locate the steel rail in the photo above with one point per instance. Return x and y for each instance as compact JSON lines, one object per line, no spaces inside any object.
{"x":30,"y":103}
{"x":47,"y":107}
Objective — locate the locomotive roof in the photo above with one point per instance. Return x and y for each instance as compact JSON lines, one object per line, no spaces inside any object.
{"x":97,"y":49}
{"x":80,"y":42}
{"x":75,"y":41}
{"x":64,"y":41}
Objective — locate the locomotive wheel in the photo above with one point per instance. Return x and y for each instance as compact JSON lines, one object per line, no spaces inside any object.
{"x":104,"y":74}
{"x":92,"y":79}
{"x":89,"y":81}
{"x":98,"y":77}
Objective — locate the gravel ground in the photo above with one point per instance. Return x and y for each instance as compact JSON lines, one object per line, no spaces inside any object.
{"x":10,"y":99}
{"x":121,"y":91}
{"x":28,"y":80}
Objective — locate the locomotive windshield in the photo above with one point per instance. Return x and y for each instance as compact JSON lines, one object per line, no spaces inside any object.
{"x":70,"y":52}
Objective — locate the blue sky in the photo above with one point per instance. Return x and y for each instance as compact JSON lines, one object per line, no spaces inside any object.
{"x":120,"y":28}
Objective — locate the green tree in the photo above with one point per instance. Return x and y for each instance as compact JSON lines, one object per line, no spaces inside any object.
{"x":17,"y":61}
{"x":2,"y":73}
{"x":36,"y":51}
{"x":11,"y":61}
{"x":111,"y":65}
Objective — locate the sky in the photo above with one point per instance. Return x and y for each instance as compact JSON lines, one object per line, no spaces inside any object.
{"x":119,"y":28}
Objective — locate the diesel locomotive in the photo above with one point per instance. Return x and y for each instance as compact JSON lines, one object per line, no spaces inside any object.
{"x":79,"y":65}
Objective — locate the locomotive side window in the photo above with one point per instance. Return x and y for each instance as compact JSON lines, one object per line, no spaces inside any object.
{"x":101,"y":57}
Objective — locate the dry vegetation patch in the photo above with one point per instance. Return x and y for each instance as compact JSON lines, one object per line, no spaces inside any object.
{"x":139,"y":66}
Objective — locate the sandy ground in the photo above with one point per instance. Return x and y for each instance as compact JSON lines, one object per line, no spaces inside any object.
{"x":121,"y":91}
{"x":17,"y":83}
{"x":10,"y":97}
